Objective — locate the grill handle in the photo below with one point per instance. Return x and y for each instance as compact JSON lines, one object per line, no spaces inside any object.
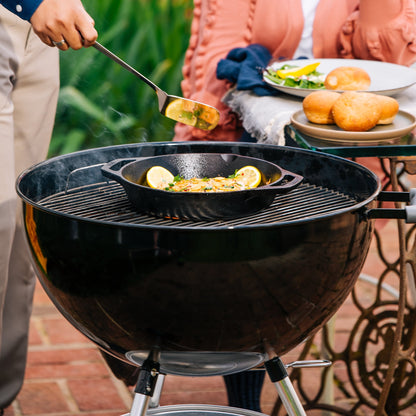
{"x":408,"y":213}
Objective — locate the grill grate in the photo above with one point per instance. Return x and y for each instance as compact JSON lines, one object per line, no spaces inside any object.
{"x":108,"y":202}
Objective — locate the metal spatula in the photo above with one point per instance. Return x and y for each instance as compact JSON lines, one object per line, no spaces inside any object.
{"x":180,"y":109}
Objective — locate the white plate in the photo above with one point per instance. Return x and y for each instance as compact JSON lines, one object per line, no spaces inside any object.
{"x":386,"y":78}
{"x":403,"y":124}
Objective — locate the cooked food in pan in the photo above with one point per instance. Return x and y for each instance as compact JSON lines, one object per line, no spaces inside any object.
{"x":248,"y":177}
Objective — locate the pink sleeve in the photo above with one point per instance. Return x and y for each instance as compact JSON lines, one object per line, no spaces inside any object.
{"x":380,"y":32}
{"x":216,"y":29}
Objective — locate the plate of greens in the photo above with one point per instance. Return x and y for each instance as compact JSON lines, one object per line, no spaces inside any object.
{"x":300,"y":77}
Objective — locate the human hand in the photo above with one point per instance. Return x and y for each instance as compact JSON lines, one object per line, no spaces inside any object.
{"x":55,"y":21}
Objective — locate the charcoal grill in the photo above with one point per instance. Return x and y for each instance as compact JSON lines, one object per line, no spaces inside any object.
{"x":205,"y":295}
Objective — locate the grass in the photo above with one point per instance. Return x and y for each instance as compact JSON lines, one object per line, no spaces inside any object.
{"x":102,"y":104}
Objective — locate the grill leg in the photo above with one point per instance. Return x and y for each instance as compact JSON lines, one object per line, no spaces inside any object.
{"x":278,"y":375}
{"x":145,"y":387}
{"x":289,"y":397}
{"x":141,"y":402}
{"x":140,"y":405}
{"x":154,"y":400}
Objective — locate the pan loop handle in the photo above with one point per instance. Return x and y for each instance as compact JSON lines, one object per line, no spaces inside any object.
{"x":288,"y":181}
{"x":85,"y":172}
{"x":113,"y":169}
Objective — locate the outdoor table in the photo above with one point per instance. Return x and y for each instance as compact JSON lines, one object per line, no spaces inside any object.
{"x":391,"y":382}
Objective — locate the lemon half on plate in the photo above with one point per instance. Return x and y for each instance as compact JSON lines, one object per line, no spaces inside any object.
{"x":158,"y":177}
{"x":249,"y":176}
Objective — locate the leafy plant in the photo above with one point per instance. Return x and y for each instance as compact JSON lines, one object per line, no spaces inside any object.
{"x":100,"y":103}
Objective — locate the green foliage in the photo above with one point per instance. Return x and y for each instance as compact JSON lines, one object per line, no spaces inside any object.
{"x":101,"y":103}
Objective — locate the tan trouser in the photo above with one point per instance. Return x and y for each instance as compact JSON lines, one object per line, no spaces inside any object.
{"x":29,"y":86}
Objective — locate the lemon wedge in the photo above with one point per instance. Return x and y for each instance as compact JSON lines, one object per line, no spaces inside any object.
{"x":249,"y":176}
{"x":297,"y":72}
{"x":158,"y":177}
{"x":179,"y":110}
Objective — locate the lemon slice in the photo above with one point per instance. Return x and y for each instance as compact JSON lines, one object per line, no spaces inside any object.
{"x":158,"y":177}
{"x":249,"y":176}
{"x":177,"y":110}
{"x":297,"y":72}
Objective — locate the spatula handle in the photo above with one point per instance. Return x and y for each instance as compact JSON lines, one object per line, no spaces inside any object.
{"x":125,"y":65}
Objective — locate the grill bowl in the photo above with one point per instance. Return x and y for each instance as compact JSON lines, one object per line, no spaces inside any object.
{"x":197,"y":289}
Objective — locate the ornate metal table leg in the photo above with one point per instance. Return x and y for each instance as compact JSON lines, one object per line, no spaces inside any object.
{"x":395,"y":372}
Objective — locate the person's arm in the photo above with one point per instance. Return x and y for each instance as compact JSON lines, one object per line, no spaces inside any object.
{"x":57,"y":21}
{"x":23,"y":8}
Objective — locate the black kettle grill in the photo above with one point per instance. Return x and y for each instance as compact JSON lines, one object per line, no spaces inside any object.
{"x":205,"y":294}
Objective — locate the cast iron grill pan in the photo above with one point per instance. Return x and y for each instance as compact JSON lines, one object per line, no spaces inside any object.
{"x":131,"y":174}
{"x":107,"y":202}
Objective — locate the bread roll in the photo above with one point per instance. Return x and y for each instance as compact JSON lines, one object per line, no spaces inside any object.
{"x":347,"y":78}
{"x":389,"y":109}
{"x":357,"y":111}
{"x":317,"y":106}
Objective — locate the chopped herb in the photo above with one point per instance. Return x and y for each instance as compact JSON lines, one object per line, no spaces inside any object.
{"x":233,"y":175}
{"x":198,"y":111}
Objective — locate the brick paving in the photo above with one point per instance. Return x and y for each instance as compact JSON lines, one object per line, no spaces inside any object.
{"x":66,"y":375}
